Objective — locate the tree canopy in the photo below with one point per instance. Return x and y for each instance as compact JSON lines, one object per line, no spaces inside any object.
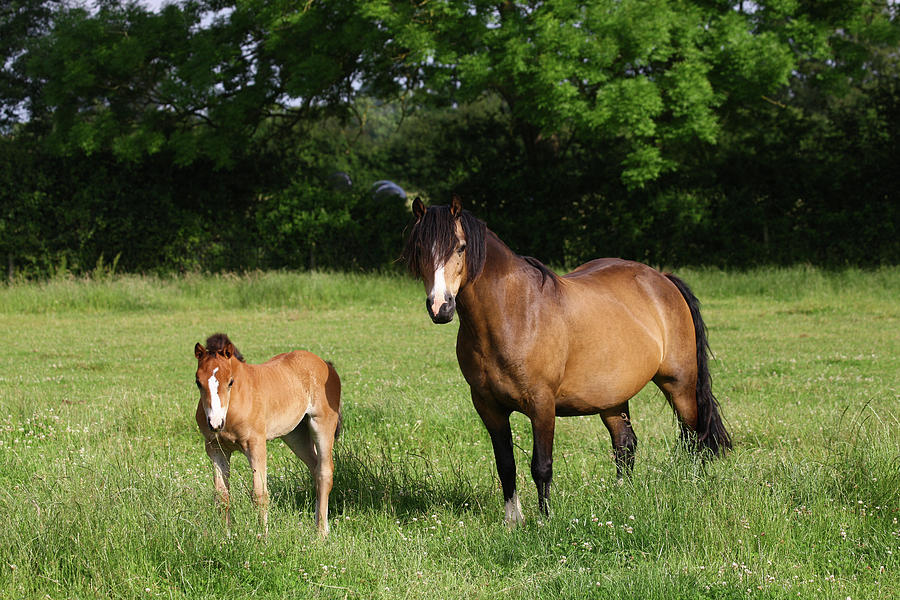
{"x":207,"y":134}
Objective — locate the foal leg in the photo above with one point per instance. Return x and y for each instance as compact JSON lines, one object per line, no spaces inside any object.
{"x":624,"y":441}
{"x":323,"y":430}
{"x":256,"y":454}
{"x":221,"y":460}
{"x":496,"y":421}
{"x":301,"y":443}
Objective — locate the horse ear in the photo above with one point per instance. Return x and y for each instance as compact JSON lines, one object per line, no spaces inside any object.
{"x":228,"y":350}
{"x":418,"y":208}
{"x":455,"y":206}
{"x":199,"y":351}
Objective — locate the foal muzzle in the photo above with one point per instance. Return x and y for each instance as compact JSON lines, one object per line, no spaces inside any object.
{"x":445,"y":311}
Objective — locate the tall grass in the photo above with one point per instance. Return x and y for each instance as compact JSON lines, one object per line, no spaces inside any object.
{"x":320,"y":290}
{"x":105,"y":491}
{"x":271,"y":289}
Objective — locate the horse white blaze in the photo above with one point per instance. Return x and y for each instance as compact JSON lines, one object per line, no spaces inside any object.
{"x":438,"y":290}
{"x":215,"y":413}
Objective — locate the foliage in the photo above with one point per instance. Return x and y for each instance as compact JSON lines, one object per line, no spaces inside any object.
{"x":206,"y":135}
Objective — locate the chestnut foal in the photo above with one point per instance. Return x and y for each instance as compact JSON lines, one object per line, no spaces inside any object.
{"x":294,"y":396}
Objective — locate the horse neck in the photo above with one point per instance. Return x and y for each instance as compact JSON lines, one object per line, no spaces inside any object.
{"x":483,"y":304}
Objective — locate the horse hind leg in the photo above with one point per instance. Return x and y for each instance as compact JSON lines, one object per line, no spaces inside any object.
{"x":301,"y":443}
{"x":624,"y":440}
{"x":323,"y":433}
{"x":682,"y":397}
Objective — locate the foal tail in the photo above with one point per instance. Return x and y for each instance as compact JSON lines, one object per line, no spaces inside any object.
{"x":333,"y":372}
{"x":711,"y":432}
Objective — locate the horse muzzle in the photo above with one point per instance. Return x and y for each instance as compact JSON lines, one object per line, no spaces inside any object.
{"x":444,"y":312}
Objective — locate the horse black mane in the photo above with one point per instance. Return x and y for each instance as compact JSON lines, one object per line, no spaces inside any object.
{"x":217,"y":342}
{"x":543,"y":269}
{"x":433,"y":237}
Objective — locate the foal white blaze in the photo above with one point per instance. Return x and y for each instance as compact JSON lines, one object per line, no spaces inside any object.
{"x":215,"y":413}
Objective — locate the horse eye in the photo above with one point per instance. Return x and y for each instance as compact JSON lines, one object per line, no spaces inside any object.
{"x":231,"y":382}
{"x":199,"y":387}
{"x":461,"y":249}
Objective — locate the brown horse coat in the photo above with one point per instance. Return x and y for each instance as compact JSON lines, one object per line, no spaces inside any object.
{"x":546,"y":346}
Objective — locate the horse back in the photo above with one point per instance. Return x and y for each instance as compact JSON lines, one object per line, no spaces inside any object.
{"x":317,"y":373}
{"x":638,"y":285}
{"x":626,"y":320}
{"x":292,"y":385}
{"x":290,"y":369}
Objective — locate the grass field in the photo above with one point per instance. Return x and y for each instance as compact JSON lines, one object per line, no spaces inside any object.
{"x":105,"y":491}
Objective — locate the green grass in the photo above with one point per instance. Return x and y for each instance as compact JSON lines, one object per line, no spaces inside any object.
{"x":105,"y":491}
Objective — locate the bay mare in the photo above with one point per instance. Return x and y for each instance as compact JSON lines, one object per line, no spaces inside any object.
{"x":294,"y":396}
{"x":546,"y":345}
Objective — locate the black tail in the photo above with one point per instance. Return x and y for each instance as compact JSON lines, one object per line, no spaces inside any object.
{"x":711,"y":432}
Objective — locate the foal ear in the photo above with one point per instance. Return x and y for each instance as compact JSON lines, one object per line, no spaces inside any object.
{"x":199,"y":351}
{"x":455,"y":206}
{"x":228,"y":350}
{"x":418,"y":208}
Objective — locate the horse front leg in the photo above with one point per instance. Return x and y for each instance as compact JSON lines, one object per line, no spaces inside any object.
{"x":543,"y":423}
{"x":256,"y":455}
{"x":221,"y":461}
{"x":496,"y":421}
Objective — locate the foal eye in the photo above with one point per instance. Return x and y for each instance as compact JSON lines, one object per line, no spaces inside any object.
{"x":231,"y":382}
{"x":461,"y":249}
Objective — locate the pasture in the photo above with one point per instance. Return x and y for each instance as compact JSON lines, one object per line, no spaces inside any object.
{"x":105,"y":491}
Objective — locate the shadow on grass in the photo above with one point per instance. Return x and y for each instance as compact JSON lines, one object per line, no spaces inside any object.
{"x":403,"y":486}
